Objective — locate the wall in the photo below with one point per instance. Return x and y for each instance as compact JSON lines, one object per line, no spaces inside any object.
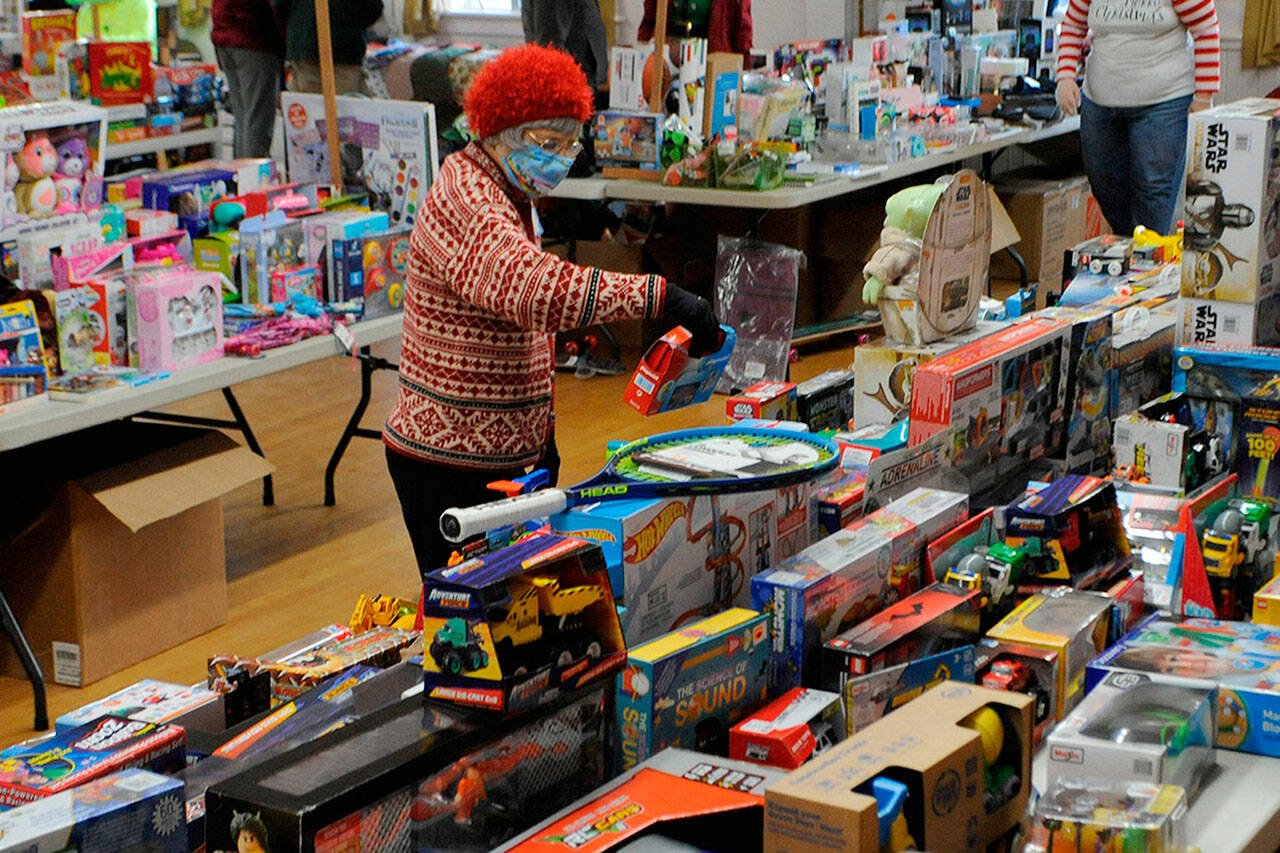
{"x":1238,"y":82}
{"x":776,"y":21}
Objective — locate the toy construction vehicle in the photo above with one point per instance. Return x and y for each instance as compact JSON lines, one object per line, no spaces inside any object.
{"x":381,"y":611}
{"x":543,"y":623}
{"x":995,"y":570}
{"x":456,"y":647}
{"x":1231,"y":547}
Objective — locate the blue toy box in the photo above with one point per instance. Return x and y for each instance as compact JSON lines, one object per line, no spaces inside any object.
{"x":130,"y":810}
{"x":373,"y":268}
{"x":1217,"y":379}
{"x":689,"y":687}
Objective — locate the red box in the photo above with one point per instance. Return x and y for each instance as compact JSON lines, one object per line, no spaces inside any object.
{"x":789,"y":730}
{"x":669,"y":378}
{"x":119,"y":72}
{"x":42,"y":34}
{"x":768,"y":400}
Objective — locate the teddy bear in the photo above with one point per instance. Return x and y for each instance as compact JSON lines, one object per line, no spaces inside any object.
{"x":37,"y":161}
{"x":73,"y":165}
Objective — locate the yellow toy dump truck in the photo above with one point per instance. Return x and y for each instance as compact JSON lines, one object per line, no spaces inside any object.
{"x":544,"y":622}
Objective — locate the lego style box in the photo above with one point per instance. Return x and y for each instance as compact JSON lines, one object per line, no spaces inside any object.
{"x":1230,"y":240}
{"x":675,"y":559}
{"x":870,"y":697}
{"x":130,"y":810}
{"x":774,"y":401}
{"x":790,"y":730}
{"x":689,"y":687}
{"x":836,"y":583}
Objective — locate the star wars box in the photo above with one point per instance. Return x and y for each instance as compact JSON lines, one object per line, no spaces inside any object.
{"x":131,"y":810}
{"x":1130,"y":727}
{"x":1230,"y":242}
{"x":826,"y":401}
{"x":869,"y":697}
{"x":677,"y":798}
{"x":155,"y":702}
{"x":851,"y":575}
{"x":1004,"y":394}
{"x":937,"y":618}
{"x":790,"y":730}
{"x":63,"y":760}
{"x":418,"y":776}
{"x":1087,"y":412}
{"x":774,"y":401}
{"x":1073,"y":624}
{"x":930,"y":747}
{"x":1213,"y":321}
{"x":689,"y":687}
{"x":676,"y":559}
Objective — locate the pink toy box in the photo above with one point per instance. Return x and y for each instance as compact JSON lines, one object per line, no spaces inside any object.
{"x":177,"y":320}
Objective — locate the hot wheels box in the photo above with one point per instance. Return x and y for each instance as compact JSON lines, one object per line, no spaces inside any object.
{"x":836,"y":583}
{"x":677,"y":559}
{"x":63,"y":760}
{"x":689,"y":687}
{"x":131,"y":810}
{"x":512,"y":629}
{"x":1230,"y":243}
{"x":869,"y":697}
{"x":1003,"y":394}
{"x":789,"y":730}
{"x":155,"y":702}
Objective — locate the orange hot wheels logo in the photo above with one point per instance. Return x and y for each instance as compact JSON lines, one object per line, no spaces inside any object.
{"x":640,"y":547}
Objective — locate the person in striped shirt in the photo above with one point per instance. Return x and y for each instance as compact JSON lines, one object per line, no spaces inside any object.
{"x":1150,"y":63}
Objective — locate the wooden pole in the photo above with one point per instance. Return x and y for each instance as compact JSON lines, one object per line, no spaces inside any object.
{"x":656,"y":90}
{"x":329,"y":88}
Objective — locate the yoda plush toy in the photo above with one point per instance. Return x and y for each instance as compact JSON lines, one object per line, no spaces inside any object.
{"x":906,"y":214}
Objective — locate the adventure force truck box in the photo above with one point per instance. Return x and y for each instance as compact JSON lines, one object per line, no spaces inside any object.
{"x":689,"y":687}
{"x":511,"y":629}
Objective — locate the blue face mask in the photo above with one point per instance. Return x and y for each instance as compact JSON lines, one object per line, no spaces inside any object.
{"x":535,"y":171}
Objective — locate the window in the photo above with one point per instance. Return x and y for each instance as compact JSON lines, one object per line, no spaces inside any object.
{"x":480,"y":7}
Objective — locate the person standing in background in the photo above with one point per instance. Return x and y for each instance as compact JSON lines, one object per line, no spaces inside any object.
{"x":576,"y":27}
{"x":348,"y":21}
{"x":250,"y":52}
{"x":1144,"y":76}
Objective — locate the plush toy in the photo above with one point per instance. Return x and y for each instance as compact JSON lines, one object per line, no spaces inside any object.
{"x":906,"y":214}
{"x":37,"y":161}
{"x":73,"y":156}
{"x":11,"y":176}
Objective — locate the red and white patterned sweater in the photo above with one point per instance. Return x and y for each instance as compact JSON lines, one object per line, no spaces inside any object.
{"x":482,"y":301}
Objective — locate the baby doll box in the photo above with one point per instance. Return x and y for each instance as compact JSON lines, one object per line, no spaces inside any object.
{"x":177,"y":320}
{"x":102,"y":515}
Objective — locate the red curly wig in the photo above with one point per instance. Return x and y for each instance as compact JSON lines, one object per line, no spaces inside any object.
{"x":527,"y":83}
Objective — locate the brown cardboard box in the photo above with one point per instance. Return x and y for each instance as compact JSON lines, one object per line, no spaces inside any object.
{"x":816,"y":809}
{"x":127,"y":557}
{"x":1051,"y":217}
{"x":717,"y":65}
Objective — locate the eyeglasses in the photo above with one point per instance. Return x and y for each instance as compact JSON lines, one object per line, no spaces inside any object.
{"x":555,"y":146}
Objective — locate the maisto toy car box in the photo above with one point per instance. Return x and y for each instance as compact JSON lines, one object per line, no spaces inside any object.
{"x":958,"y":790}
{"x":1130,"y":727}
{"x":63,"y":760}
{"x":789,"y":730}
{"x":839,"y":581}
{"x":869,"y":697}
{"x":1073,"y":624}
{"x":155,"y":702}
{"x":131,"y":810}
{"x":768,"y":400}
{"x":689,"y":687}
{"x":936,"y":618}
{"x":1230,"y":243}
{"x":1003,"y":395}
{"x":677,"y":798}
{"x":511,"y":629}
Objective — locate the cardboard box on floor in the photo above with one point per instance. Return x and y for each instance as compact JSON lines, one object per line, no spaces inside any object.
{"x":1051,"y":215}
{"x":923,"y":744}
{"x":127,"y":557}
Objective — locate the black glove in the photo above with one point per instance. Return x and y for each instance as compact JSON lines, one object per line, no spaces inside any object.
{"x":694,"y":313}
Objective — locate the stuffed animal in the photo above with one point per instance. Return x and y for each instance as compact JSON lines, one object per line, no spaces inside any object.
{"x":73,"y":157}
{"x":906,"y":214}
{"x":37,"y":162}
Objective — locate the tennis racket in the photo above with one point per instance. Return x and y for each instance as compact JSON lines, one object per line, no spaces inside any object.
{"x":714,"y":460}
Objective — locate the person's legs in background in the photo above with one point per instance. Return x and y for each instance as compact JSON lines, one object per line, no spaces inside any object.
{"x":253,"y":81}
{"x":1157,"y":164}
{"x":348,"y":79}
{"x":1104,"y":142}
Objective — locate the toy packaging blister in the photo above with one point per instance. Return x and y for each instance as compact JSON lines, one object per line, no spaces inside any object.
{"x":689,"y":687}
{"x":1130,"y":727}
{"x":1022,"y":669}
{"x":24,"y":377}
{"x":1073,"y":624}
{"x":176,"y":320}
{"x":134,"y":809}
{"x":675,"y":797}
{"x":790,"y":730}
{"x":63,"y":760}
{"x":1086,"y":813}
{"x":155,"y":702}
{"x":847,"y":577}
{"x":668,"y":378}
{"x":869,"y":697}
{"x":81,"y":314}
{"x":53,"y":166}
{"x":512,"y":629}
{"x":826,"y":401}
{"x":373,"y":269}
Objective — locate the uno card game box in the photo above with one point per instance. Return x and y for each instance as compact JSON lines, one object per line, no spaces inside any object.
{"x":155,"y":702}
{"x":63,"y":760}
{"x":789,"y":730}
{"x":131,"y":810}
{"x":689,"y":687}
{"x":937,"y":618}
{"x":869,"y":697}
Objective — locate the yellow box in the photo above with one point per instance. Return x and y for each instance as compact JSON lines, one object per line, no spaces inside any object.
{"x":1266,"y":603}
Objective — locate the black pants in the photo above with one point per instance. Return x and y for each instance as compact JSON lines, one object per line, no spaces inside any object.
{"x":426,"y":490}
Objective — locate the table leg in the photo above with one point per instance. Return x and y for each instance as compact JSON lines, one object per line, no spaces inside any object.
{"x":368,"y":364}
{"x":242,"y":424}
{"x":29,"y":663}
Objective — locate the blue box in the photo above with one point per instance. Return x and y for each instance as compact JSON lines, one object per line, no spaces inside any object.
{"x":1217,"y":379}
{"x":689,"y":687}
{"x":130,"y":810}
{"x":869,"y":697}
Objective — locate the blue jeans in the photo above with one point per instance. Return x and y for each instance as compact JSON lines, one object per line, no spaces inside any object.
{"x":1135,"y":158}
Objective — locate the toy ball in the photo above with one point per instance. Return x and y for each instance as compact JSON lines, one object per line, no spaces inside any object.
{"x":647,"y":75}
{"x":395,"y":295}
{"x":989,"y":727}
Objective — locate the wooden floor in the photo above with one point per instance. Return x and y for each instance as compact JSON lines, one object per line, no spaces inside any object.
{"x":299,"y":564}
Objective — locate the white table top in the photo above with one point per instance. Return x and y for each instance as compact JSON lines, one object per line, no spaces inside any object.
{"x":1238,"y":811}
{"x":153,"y":144}
{"x":598,"y":188}
{"x":55,"y":417}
